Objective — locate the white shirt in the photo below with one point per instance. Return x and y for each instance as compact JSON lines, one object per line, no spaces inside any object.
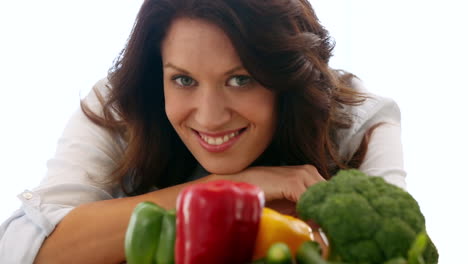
{"x":86,"y":154}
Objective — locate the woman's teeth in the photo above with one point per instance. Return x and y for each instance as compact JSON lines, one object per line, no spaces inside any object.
{"x":218,"y":140}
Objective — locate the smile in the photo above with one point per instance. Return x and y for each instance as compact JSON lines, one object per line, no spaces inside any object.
{"x":220,"y":141}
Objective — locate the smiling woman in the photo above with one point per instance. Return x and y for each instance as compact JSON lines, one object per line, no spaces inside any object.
{"x":222,"y":115}
{"x":203,"y":90}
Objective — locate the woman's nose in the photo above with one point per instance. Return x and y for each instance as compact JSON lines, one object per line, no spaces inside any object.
{"x":212,"y":109}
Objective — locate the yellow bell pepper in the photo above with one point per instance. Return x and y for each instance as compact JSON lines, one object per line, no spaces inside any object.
{"x":277,"y":227}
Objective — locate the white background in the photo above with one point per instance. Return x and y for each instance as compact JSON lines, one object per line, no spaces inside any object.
{"x":52,"y":52}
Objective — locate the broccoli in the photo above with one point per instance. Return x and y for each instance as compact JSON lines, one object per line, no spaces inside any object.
{"x":365,"y":219}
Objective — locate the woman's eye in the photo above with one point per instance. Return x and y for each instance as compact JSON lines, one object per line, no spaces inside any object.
{"x":184,"y":80}
{"x":240,"y":80}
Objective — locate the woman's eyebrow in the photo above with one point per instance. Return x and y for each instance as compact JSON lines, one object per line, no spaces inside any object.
{"x":170,"y":65}
{"x":233,"y":70}
{"x":229,"y":72}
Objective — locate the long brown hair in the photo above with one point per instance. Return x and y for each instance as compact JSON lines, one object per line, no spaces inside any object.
{"x":280,"y":42}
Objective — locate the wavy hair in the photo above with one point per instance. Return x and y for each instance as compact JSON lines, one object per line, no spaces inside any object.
{"x":281,"y":44}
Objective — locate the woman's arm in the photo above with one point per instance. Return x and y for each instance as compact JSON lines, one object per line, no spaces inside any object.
{"x":95,"y":232}
{"x":384,"y":157}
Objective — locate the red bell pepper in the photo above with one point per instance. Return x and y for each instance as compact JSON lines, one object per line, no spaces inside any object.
{"x":217,"y":222}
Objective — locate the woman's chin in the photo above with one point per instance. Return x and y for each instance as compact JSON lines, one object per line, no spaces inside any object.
{"x":220,"y":169}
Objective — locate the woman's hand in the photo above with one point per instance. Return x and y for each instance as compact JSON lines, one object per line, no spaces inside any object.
{"x":282,"y":185}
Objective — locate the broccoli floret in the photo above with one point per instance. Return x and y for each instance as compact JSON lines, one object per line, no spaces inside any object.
{"x":366,"y":219}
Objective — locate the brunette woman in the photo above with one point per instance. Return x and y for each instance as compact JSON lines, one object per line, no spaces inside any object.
{"x":204,"y":90}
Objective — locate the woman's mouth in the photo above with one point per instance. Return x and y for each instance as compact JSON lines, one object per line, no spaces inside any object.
{"x":220,"y":141}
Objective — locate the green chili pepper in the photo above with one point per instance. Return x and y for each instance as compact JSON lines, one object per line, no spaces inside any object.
{"x":165,"y":251}
{"x":279,"y":253}
{"x":143,"y":232}
{"x":415,"y":253}
{"x":309,"y":253}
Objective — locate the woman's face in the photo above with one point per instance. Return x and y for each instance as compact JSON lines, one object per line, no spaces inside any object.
{"x":224,"y":117}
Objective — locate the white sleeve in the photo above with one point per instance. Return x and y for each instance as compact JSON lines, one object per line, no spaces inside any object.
{"x":384,"y":155}
{"x":78,"y":173}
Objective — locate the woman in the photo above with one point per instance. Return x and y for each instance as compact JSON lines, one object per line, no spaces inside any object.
{"x":204,"y":90}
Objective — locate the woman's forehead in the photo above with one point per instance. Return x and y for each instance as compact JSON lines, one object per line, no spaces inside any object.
{"x":195,"y":43}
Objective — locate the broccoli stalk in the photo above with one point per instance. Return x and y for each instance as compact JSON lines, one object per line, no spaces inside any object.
{"x":366,"y":219}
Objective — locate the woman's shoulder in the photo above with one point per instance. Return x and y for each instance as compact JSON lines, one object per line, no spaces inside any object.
{"x":99,"y":93}
{"x":375,"y":106}
{"x":80,"y":125}
{"x":374,"y":110}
